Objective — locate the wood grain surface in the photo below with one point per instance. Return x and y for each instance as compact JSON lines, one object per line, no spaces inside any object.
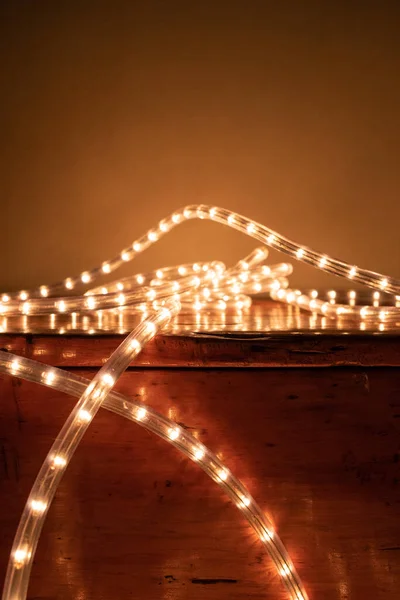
{"x":270,"y":334}
{"x":318,"y":449}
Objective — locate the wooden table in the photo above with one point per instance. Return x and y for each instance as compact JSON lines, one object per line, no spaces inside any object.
{"x":319,"y":448}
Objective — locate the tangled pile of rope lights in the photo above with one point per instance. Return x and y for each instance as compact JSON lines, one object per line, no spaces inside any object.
{"x":157,"y":297}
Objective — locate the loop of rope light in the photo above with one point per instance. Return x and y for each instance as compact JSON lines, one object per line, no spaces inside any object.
{"x":156,"y":297}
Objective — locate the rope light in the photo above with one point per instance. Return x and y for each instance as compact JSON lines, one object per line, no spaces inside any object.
{"x":156,"y":297}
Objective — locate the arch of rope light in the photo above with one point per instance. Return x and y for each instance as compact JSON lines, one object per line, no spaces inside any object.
{"x":157,"y":296}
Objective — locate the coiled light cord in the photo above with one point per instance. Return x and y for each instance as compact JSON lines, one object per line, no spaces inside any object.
{"x":157,"y":296}
{"x":38,"y":502}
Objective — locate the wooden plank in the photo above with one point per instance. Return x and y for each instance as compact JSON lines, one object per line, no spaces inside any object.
{"x":217,"y":350}
{"x":270,"y":334}
{"x":319,"y":449}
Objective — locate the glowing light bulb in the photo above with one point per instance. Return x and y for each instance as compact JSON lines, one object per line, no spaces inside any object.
{"x":267,"y":535}
{"x":121,"y":299}
{"x":352,"y":272}
{"x":198,"y":453}
{"x":91,"y":303}
{"x":384,"y":283}
{"x":44,"y":291}
{"x":26,"y":307}
{"x":38,"y":506}
{"x":85,"y":277}
{"x":137,"y":247}
{"x":182,"y":270}
{"x":165,"y":313}
{"x":108,"y":379}
{"x":61,"y":306}
{"x":49,"y":377}
{"x":159,"y":274}
{"x":285,"y":571}
{"x":151,"y":328}
{"x":314,"y":294}
{"x":106,"y":268}
{"x":140,"y":279}
{"x":152,"y":236}
{"x":141,"y":414}
{"x":68,"y":284}
{"x":23,"y":295}
{"x":125,"y":256}
{"x":275,"y":285}
{"x":300,"y":253}
{"x":21,"y":555}
{"x":196,"y":281}
{"x":59,"y":461}
{"x":173,"y":433}
{"x":151,"y":295}
{"x":15,"y":366}
{"x":322,"y":263}
{"x":84,"y":416}
{"x":236,"y":288}
{"x":164,"y":226}
{"x":5,"y":298}
{"x":251,"y":228}
{"x":135,"y":345}
{"x":223,"y":474}
{"x":176,"y":217}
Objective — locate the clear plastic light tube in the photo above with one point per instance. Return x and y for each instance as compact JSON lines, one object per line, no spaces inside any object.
{"x":250,"y":227}
{"x":158,"y":276}
{"x":89,"y":303}
{"x":62,"y":450}
{"x":387,"y":314}
{"x":203,"y":285}
{"x":171,"y":432}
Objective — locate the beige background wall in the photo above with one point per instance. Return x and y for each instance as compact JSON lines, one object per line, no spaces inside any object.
{"x":116,"y":113}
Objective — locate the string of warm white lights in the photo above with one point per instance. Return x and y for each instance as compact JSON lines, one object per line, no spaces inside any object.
{"x":38,"y":502}
{"x":245,"y":225}
{"x":157,"y":296}
{"x":52,"y":470}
